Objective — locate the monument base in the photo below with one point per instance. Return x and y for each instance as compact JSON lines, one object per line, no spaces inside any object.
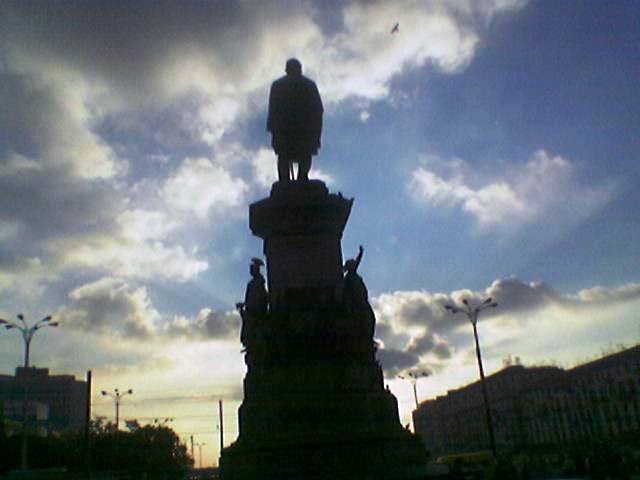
{"x":400,"y":458}
{"x":315,"y":406}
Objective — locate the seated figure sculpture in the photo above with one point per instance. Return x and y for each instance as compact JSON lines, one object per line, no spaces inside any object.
{"x":356,"y":298}
{"x":256,"y":304}
{"x":295,"y":121}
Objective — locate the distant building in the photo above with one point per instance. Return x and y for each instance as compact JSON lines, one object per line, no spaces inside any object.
{"x":54,"y":403}
{"x":537,"y":406}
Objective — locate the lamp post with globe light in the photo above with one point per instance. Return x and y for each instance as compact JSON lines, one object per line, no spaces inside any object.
{"x":117,"y":397}
{"x":200,"y":445}
{"x":472,"y":315}
{"x":27,"y":335}
{"x":27,"y":331}
{"x":413,"y":378}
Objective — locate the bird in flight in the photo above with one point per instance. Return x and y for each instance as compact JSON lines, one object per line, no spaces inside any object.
{"x":396,"y":28}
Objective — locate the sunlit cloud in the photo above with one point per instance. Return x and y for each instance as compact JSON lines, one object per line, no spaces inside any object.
{"x":124,"y":258}
{"x":546,"y":186}
{"x":199,"y":186}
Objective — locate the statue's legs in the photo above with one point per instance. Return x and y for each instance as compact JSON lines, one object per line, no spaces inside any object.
{"x":283,"y":169}
{"x":304,"y":165}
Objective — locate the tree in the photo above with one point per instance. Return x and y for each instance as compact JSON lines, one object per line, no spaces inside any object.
{"x":154,"y":451}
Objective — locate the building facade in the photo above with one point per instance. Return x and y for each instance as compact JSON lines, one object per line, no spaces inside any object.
{"x":537,"y":406}
{"x":53,"y":403}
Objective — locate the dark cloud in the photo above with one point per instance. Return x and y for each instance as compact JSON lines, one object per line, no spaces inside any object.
{"x":129,"y":45}
{"x":390,"y":338}
{"x":442,"y":350}
{"x":428,"y":343}
{"x":426,"y":311}
{"x":209,"y":324}
{"x":110,"y":305}
{"x":514,"y":295}
{"x":395,"y":361}
{"x":422,"y":344}
{"x":406,"y":309}
{"x":47,"y":202}
{"x":221,"y":325}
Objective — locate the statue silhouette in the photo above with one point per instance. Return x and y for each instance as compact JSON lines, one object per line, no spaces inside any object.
{"x":256,"y":303}
{"x":295,"y":121}
{"x":355,"y":296}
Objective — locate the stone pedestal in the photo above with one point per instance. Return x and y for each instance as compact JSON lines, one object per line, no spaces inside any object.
{"x":314,"y":404}
{"x":301,"y":225}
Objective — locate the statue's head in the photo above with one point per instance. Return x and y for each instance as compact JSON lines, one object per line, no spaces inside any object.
{"x":350,"y":265}
{"x":254,"y":268}
{"x":293,"y":67}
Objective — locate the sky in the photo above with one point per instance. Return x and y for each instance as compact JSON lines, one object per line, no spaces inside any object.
{"x":491,"y":146}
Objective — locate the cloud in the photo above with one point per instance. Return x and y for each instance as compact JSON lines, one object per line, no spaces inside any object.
{"x":129,"y":258}
{"x":56,"y":221}
{"x":429,"y":343}
{"x":198,"y":186}
{"x":607,"y":295}
{"x":265,"y":167}
{"x":208,"y":324}
{"x":544,"y":187}
{"x":48,"y":116}
{"x":28,"y":275}
{"x":112,"y":306}
{"x":394,"y":361}
{"x":415,"y":330}
{"x":406,"y":310}
{"x":45,"y":205}
{"x":141,"y":225}
{"x":516,"y":296}
{"x":44,"y":200}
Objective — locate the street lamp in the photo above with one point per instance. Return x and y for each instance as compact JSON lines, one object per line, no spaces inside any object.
{"x":200,"y":445}
{"x":413,"y":378}
{"x":162,"y":422}
{"x":27,"y":331}
{"x":472,"y":315}
{"x":27,"y":334}
{"x":117,"y":396}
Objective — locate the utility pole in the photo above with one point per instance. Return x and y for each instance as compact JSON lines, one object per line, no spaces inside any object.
{"x":221,"y":426}
{"x":192,"y":452}
{"x":472,"y":315}
{"x":87,"y":422}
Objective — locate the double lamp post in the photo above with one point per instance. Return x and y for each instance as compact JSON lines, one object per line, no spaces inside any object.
{"x":27,"y":334}
{"x":472,"y":315}
{"x":27,"y":331}
{"x":117,"y":397}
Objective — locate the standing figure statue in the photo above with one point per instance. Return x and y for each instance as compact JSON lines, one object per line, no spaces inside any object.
{"x":356,"y":298}
{"x":256,"y":303}
{"x":295,"y":121}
